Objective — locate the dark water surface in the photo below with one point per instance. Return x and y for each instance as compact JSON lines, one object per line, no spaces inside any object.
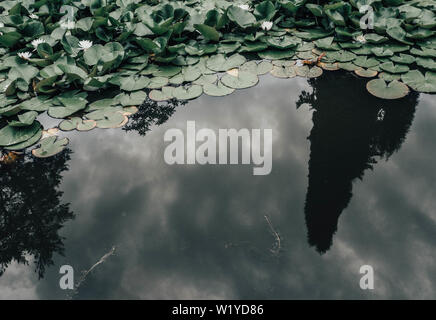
{"x":349,"y":186}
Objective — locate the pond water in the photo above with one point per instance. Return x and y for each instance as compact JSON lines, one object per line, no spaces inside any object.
{"x":352,"y":183}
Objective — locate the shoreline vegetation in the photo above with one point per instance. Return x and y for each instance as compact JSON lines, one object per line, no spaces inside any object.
{"x":90,"y":63}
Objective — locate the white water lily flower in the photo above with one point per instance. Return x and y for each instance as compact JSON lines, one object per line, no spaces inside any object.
{"x":266,"y":25}
{"x":361,"y":39}
{"x":37,"y":42}
{"x":85,"y":44}
{"x":25,"y":55}
{"x":33,"y":16}
{"x":244,"y":6}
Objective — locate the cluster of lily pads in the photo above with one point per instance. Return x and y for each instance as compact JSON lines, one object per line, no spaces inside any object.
{"x":90,"y":62}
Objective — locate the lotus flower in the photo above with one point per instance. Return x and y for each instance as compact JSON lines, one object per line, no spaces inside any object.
{"x":37,"y":42}
{"x":25,"y":55}
{"x":361,"y":39}
{"x":85,"y":44}
{"x":244,"y":6}
{"x":266,"y":25}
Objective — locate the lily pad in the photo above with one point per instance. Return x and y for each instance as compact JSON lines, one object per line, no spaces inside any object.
{"x":243,"y":80}
{"x":50,"y":146}
{"x":220,"y":63}
{"x":25,"y":144}
{"x":164,"y":94}
{"x":260,"y":68}
{"x":391,"y":68}
{"x":366,"y":73}
{"x":308,"y":72}
{"x":419,"y":82}
{"x":14,"y":135}
{"x":217,"y":90}
{"x":393,"y":90}
{"x":187,"y":93}
{"x":283,"y":72}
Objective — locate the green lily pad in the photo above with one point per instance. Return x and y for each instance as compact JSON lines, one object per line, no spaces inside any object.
{"x":283,"y":72}
{"x":187,"y":93}
{"x":366,"y":73}
{"x":275,"y":54}
{"x":391,"y":68}
{"x":86,"y":125}
{"x":50,"y":146}
{"x":25,"y":144}
{"x":403,"y":58}
{"x":69,"y":124}
{"x":308,"y":72}
{"x":167,"y":71}
{"x":166,"y":93}
{"x":365,"y":62}
{"x":284,"y":42}
{"x":220,"y":63}
{"x":134,"y":83}
{"x":243,"y":80}
{"x":14,"y":135}
{"x":260,"y":68}
{"x":427,"y":63}
{"x":157,"y":82}
{"x":206,"y":79}
{"x":349,"y":66}
{"x":419,"y":82}
{"x":24,"y":119}
{"x":389,"y":76}
{"x":393,"y":90}
{"x":217,"y":90}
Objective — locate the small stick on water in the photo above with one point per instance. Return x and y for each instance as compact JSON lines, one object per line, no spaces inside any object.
{"x":276,"y":236}
{"x":85,"y":273}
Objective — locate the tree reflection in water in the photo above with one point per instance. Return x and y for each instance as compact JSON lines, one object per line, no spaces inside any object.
{"x":152,"y":113}
{"x":351,"y":131}
{"x":31,"y":212}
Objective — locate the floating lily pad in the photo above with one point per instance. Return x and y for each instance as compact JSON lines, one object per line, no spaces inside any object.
{"x":217,"y":90}
{"x":220,"y":63}
{"x":243,"y":80}
{"x":389,"y":76}
{"x":427,"y":63}
{"x":366,"y":73}
{"x":50,"y":146}
{"x":69,"y":106}
{"x":393,"y":90}
{"x":24,"y":119}
{"x":365,"y":62}
{"x":308,"y":72}
{"x":188,"y":92}
{"x":329,"y":66}
{"x":69,"y":124}
{"x":257,"y":68}
{"x":25,"y":144}
{"x":275,"y":54}
{"x":13,"y":135}
{"x":86,"y":125}
{"x":349,"y":66}
{"x":403,"y":58}
{"x":157,"y":82}
{"x":391,"y":68}
{"x":283,"y":71}
{"x":419,"y":82}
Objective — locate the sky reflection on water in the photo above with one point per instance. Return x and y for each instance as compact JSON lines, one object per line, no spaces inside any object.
{"x":200,"y":232}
